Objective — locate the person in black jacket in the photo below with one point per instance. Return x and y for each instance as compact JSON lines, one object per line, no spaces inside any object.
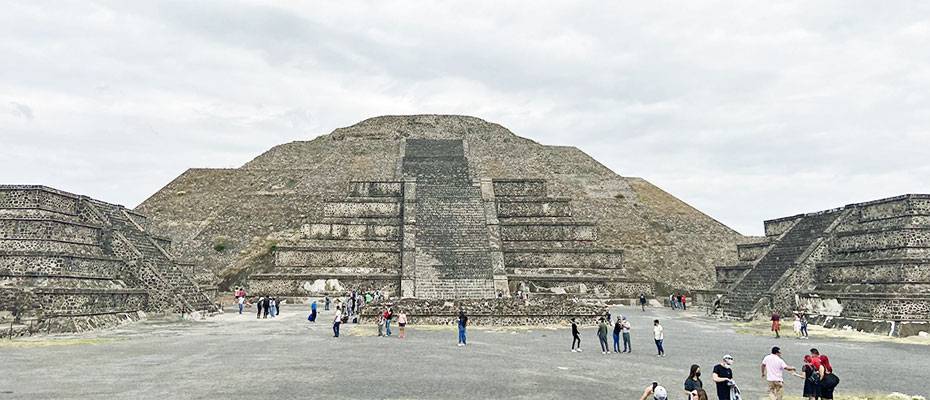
{"x":618,"y":327}
{"x":266,"y":304}
{"x":576,"y":338}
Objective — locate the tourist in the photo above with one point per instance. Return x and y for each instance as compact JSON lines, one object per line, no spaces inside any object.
{"x":618,"y":328}
{"x":642,"y":301}
{"x":804,"y":326}
{"x":402,"y":324}
{"x":326,"y":303}
{"x":258,"y":306}
{"x":655,"y":392}
{"x":576,"y":338}
{"x":678,"y":300}
{"x":776,"y":324}
{"x":671,"y":301}
{"x":723,"y":377}
{"x":381,"y":324}
{"x":773,"y":367}
{"x":684,"y":302}
{"x":312,"y":317}
{"x":388,"y":314}
{"x":797,"y":326}
{"x":602,"y":335}
{"x":694,"y":383}
{"x":463,"y":324}
{"x":274,"y":307}
{"x":811,"y":379}
{"x":828,"y":380}
{"x":659,"y":334}
{"x":337,"y":320}
{"x":627,"y":345}
{"x":241,"y":301}
{"x":265,"y":306}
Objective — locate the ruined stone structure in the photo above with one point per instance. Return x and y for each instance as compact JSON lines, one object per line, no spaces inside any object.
{"x":70,"y":263}
{"x":436,"y":207}
{"x":865,"y":265}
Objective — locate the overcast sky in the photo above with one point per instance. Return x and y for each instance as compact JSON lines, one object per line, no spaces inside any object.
{"x":747,"y":111}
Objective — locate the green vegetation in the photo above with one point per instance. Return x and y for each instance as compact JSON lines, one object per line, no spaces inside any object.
{"x":221,"y":243}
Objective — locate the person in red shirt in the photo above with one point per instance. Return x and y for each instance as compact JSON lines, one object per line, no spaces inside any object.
{"x":776,"y":324}
{"x":828,"y":381}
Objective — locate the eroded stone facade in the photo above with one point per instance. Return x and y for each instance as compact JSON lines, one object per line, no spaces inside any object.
{"x":71,"y":263}
{"x":869,"y":269}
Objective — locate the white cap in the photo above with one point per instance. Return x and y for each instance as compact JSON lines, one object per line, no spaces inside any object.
{"x":660,"y":393}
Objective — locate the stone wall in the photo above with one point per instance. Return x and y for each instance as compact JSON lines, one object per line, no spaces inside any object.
{"x":870,"y":270}
{"x":493,"y":312}
{"x":65,"y":265}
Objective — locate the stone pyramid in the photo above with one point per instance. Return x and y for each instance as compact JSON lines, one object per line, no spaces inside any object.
{"x":436,"y":206}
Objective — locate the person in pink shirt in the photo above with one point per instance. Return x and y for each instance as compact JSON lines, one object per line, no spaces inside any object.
{"x":773,"y":368}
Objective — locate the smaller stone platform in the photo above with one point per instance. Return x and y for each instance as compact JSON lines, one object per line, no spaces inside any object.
{"x":551,"y":310}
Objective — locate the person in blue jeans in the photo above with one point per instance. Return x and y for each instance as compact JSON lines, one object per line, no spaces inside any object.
{"x":618,"y":327}
{"x":388,"y":314}
{"x":463,"y":324}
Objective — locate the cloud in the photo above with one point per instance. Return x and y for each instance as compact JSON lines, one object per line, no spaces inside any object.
{"x":747,"y":111}
{"x":21,"y":110}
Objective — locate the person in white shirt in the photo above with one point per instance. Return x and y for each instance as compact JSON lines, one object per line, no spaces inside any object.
{"x":659,"y":335}
{"x":773,"y":368}
{"x":337,"y":320}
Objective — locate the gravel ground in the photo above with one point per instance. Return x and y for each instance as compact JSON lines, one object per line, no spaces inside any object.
{"x":232,"y":356}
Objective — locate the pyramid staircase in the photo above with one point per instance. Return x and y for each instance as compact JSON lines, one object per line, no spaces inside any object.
{"x":783,"y":254}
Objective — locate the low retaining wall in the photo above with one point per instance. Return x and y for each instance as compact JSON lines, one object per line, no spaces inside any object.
{"x":491,"y":312}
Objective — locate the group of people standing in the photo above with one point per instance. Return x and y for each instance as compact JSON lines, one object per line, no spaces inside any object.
{"x":799,"y":325}
{"x":819,"y":379}
{"x":678,"y":301}
{"x":268,"y":306}
{"x":621,"y":330}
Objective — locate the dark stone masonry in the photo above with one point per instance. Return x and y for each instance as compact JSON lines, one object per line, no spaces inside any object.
{"x":71,"y":263}
{"x":865,"y":266}
{"x":442,"y":212}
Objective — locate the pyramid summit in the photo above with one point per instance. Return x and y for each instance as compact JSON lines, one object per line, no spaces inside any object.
{"x":436,"y":206}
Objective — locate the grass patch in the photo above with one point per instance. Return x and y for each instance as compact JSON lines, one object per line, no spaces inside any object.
{"x":220,"y":243}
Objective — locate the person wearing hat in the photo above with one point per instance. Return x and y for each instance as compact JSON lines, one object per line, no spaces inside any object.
{"x":654,"y":392}
{"x":723,"y":377}
{"x":773,"y":368}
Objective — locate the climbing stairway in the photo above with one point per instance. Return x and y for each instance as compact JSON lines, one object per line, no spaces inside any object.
{"x":179,"y":283}
{"x":452,"y":235}
{"x":780,"y":258}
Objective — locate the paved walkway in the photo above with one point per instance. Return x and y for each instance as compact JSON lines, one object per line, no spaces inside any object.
{"x":240,"y":357}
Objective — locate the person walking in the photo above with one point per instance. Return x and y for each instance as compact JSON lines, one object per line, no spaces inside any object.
{"x":776,"y":323}
{"x":642,"y":301}
{"x":618,"y":328}
{"x":804,"y":334}
{"x":241,"y":301}
{"x":627,"y":344}
{"x":258,"y":306}
{"x":693,"y":383}
{"x":602,"y":335}
{"x":463,"y":325}
{"x":773,"y":367}
{"x":796,"y":326}
{"x":723,"y":377}
{"x":326,"y":302}
{"x":402,"y":325}
{"x":684,"y":302}
{"x":312,"y":317}
{"x":337,"y":320}
{"x":658,"y":334}
{"x":576,"y":338}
